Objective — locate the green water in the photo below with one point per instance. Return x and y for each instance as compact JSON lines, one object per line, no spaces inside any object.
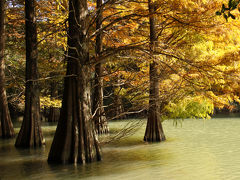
{"x":195,"y":150}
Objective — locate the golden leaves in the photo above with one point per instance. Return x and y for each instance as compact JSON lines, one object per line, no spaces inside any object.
{"x":46,"y":101}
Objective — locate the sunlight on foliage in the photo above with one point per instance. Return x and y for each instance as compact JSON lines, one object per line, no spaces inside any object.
{"x":46,"y":101}
{"x":190,"y":107}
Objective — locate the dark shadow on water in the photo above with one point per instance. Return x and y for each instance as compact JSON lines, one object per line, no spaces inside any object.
{"x":226,"y":115}
{"x":32,"y":164}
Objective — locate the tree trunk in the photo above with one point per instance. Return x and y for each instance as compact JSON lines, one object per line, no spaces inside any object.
{"x":53,"y":115}
{"x":118,"y":103}
{"x":75,"y":140}
{"x":118,"y":107}
{"x":154,"y":131}
{"x":6,"y":126}
{"x":100,"y":119}
{"x":30,"y":134}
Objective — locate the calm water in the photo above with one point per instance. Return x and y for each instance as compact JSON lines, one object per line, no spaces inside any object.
{"x":195,"y":150}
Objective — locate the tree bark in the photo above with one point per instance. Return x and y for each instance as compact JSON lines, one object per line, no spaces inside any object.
{"x":53,"y":115}
{"x":118,"y":107}
{"x":118,"y":103}
{"x":6,"y":126}
{"x":154,"y":131}
{"x":30,"y":134}
{"x":75,"y":140}
{"x":100,"y":119}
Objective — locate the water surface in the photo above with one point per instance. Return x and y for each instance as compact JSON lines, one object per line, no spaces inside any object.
{"x":195,"y":150}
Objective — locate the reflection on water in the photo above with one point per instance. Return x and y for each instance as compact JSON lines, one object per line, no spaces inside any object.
{"x":197,"y":150}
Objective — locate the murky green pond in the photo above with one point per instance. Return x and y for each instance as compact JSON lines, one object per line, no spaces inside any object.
{"x":195,"y":150}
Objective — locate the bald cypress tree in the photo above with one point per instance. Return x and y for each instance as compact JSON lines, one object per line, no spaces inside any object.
{"x":30,"y":134}
{"x":99,"y":118}
{"x":154,"y":131}
{"x":6,"y":126}
{"x":75,"y":140}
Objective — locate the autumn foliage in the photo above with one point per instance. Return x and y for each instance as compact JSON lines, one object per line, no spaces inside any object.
{"x":197,"y":54}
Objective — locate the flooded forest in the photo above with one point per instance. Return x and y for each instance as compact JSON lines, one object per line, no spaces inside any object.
{"x":119,"y":89}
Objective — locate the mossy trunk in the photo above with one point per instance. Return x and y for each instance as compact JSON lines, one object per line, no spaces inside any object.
{"x":6,"y":126}
{"x":30,"y":134}
{"x":75,"y":140}
{"x":154,"y":131}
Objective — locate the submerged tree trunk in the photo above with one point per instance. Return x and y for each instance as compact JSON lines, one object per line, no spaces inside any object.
{"x":6,"y":126}
{"x":100,"y":119}
{"x":154,"y":131}
{"x":75,"y":140}
{"x":30,"y":134}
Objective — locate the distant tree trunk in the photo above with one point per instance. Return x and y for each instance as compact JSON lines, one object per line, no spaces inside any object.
{"x":53,"y":115}
{"x":6,"y":126}
{"x":100,"y":119}
{"x":75,"y":140}
{"x":118,"y":104}
{"x":30,"y":134}
{"x":119,"y":109}
{"x":154,"y":131}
